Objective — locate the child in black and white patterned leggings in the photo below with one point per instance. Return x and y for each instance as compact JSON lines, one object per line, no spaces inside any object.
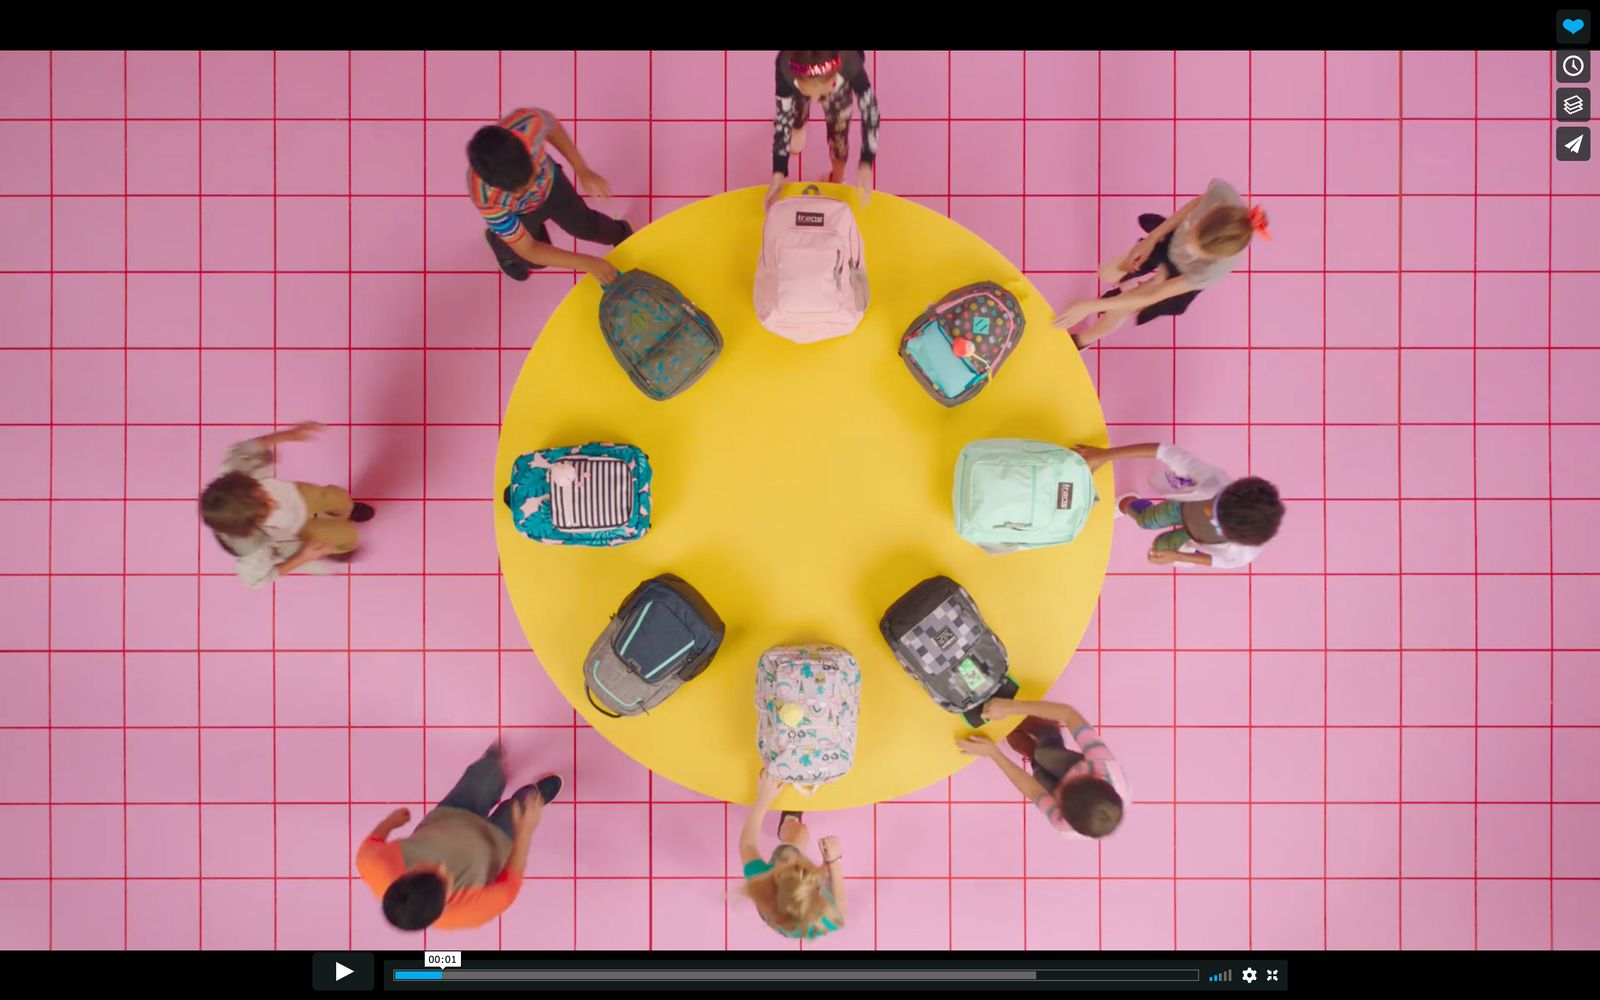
{"x":835,"y":78}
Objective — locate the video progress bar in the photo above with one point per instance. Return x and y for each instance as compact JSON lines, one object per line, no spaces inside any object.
{"x":785,"y":975}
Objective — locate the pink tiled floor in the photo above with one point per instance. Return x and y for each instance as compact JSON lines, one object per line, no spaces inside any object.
{"x":1382,"y":736}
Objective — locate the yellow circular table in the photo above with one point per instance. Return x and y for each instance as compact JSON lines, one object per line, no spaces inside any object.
{"x":801,"y":488}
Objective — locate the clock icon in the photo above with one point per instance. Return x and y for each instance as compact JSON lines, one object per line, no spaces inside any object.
{"x":1572,"y":66}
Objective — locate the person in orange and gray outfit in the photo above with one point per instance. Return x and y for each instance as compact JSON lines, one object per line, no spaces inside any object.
{"x":462,"y":866}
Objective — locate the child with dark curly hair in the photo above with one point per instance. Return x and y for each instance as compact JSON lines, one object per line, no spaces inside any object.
{"x":1206,"y":517}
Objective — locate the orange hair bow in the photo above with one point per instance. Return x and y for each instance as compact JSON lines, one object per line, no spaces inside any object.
{"x":1258,"y":221}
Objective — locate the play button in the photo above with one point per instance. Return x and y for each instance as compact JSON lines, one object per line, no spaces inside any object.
{"x":342,"y":970}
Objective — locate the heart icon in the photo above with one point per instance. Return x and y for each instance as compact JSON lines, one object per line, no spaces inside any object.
{"x":1573,"y":25}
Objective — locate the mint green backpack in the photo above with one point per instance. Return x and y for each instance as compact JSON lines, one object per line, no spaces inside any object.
{"x":1015,"y":494}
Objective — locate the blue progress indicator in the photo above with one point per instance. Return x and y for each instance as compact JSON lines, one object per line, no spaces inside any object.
{"x":401,"y":975}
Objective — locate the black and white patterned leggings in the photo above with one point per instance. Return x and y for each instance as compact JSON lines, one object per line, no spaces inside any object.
{"x":837,"y":106}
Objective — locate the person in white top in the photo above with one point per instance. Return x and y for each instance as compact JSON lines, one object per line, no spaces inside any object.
{"x":274,"y":526}
{"x":1206,"y":517}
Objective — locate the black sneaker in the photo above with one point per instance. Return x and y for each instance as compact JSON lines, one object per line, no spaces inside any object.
{"x":549,"y":787}
{"x":361,"y":512}
{"x":512,"y":265}
{"x":799,"y":817}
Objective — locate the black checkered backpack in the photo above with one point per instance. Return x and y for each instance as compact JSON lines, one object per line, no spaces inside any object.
{"x":937,"y":634}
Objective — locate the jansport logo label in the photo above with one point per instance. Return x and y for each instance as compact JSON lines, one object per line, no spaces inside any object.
{"x":810,"y":219}
{"x":1063,"y":496}
{"x":945,"y":638}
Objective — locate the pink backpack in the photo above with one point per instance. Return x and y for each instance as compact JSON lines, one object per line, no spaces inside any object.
{"x":811,"y":282}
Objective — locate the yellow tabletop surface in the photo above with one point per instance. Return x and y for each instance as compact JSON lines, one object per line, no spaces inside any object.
{"x":801,"y":488}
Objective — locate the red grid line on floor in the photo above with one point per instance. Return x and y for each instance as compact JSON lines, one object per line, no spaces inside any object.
{"x":200,"y":480}
{"x":1475,"y":611}
{"x":50,"y":528}
{"x":350,"y":484}
{"x":1325,"y":501}
{"x":124,"y":656}
{"x":1399,"y":393}
{"x":1250,"y":571}
{"x":1550,"y":480}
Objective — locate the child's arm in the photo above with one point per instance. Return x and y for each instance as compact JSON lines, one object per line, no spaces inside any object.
{"x":545,"y":255}
{"x":1174,"y":220}
{"x":1146,"y":295}
{"x":1141,"y":250}
{"x":1166,"y":556}
{"x":392,"y":822}
{"x":257,"y":569}
{"x":299,"y":432}
{"x":1053,"y":711}
{"x":834,"y":862}
{"x":308,"y":552}
{"x":783,"y":125}
{"x":867,"y":103}
{"x":750,"y":835}
{"x":976,"y":745}
{"x":593,"y":183}
{"x":1097,"y":457}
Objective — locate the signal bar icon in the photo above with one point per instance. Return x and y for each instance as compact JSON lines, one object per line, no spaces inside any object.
{"x":1225,"y":976}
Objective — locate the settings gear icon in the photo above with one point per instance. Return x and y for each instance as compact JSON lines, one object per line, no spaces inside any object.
{"x":1249,"y":975}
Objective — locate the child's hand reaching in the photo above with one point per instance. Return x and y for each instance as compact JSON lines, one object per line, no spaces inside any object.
{"x":1139,"y":254}
{"x":1096,"y":457}
{"x":593,"y":185}
{"x":978,"y":745}
{"x":1074,"y":313}
{"x":772,"y":190}
{"x":767,"y":788}
{"x":864,"y":183}
{"x":997,"y":708}
{"x":1163,"y":557}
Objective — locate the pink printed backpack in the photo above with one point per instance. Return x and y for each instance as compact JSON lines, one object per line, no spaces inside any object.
{"x":811,"y":281}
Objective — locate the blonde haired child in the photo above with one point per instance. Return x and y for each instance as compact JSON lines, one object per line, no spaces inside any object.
{"x":795,"y":896}
{"x":1201,"y":242}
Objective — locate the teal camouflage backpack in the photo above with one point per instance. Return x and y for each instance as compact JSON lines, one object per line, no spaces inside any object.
{"x":658,"y":337}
